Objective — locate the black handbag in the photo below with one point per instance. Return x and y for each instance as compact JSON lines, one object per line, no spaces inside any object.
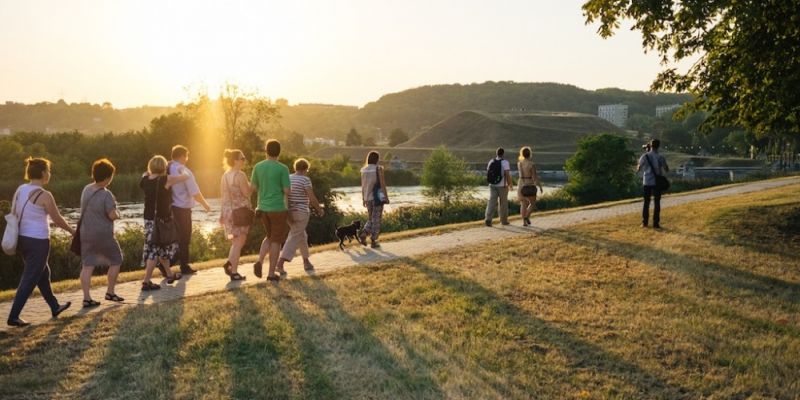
{"x":242,"y":216}
{"x":75,"y":245}
{"x":662,"y":183}
{"x":165,"y":232}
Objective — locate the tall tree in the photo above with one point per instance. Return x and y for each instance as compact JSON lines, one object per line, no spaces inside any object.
{"x":748,"y":67}
{"x":444,"y":176}
{"x":244,"y":112}
{"x":397,"y":136}
{"x":353,"y":138}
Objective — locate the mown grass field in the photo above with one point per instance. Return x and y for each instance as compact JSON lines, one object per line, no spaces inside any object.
{"x":708,"y":307}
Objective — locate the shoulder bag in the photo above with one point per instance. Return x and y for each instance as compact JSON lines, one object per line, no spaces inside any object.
{"x":75,"y":245}
{"x":165,"y":232}
{"x":242,"y":216}
{"x":662,"y":183}
{"x":11,"y":234}
{"x":378,"y":197}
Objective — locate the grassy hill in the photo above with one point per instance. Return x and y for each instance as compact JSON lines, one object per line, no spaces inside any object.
{"x":417,"y":109}
{"x":545,"y":131}
{"x":590,"y":312}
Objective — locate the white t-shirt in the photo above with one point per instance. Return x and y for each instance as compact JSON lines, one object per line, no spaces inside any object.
{"x":506,"y":167}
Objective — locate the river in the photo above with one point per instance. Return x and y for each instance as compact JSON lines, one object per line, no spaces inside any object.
{"x":349,"y":201}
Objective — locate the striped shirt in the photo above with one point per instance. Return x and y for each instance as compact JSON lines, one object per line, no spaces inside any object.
{"x":298,"y":198}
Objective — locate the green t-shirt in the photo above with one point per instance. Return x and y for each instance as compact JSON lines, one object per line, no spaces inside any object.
{"x":271,"y":177}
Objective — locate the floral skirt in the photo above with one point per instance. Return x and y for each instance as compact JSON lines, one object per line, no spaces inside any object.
{"x":153,"y":251}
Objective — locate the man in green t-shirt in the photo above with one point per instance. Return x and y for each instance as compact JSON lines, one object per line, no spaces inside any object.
{"x":271,"y":179}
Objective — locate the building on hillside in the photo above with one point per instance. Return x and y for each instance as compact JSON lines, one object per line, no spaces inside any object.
{"x":319,"y":140}
{"x":666,"y":109}
{"x":617,"y":114}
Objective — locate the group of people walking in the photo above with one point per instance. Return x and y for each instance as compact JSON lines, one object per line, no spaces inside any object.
{"x":284,"y":205}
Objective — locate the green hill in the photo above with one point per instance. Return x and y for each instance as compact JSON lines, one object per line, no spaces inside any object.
{"x":545,"y":131}
{"x":417,"y":109}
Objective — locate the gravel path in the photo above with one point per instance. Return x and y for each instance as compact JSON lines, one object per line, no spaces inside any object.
{"x":37,"y":312}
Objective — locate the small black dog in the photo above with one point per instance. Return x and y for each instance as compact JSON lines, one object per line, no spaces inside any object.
{"x":348,"y":232}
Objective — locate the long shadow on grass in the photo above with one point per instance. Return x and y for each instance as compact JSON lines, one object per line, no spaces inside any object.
{"x":253,"y":351}
{"x":357,"y":341}
{"x":582,"y":355}
{"x":714,"y":273}
{"x":48,"y":361}
{"x":140,"y":358}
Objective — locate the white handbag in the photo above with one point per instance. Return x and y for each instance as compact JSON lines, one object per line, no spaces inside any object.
{"x":11,"y":234}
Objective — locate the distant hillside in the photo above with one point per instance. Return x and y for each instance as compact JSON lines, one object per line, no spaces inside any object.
{"x":319,"y":120}
{"x":83,"y":117}
{"x":416,"y":109}
{"x":413,"y":110}
{"x":545,"y":131}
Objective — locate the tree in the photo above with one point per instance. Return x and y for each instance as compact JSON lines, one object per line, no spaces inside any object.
{"x":748,"y":69}
{"x":444,"y":176}
{"x":397,"y":136}
{"x":601,"y":169}
{"x":353,"y":138}
{"x":369,"y":142}
{"x":295,"y":143}
{"x":244,"y":112}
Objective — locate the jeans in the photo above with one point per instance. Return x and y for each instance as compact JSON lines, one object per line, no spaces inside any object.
{"x":34,"y":253}
{"x":183,"y":221}
{"x":497,"y":193}
{"x":656,"y":194}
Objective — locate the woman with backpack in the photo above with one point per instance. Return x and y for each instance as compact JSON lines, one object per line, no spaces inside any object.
{"x":374,"y":195}
{"x":32,"y":205}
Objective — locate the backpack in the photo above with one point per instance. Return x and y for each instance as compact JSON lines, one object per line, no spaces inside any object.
{"x":495,"y":172}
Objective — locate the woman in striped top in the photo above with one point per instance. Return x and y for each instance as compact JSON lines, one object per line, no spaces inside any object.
{"x":300,"y":196}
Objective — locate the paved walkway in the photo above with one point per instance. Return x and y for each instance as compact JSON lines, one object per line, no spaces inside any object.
{"x":37,"y":312}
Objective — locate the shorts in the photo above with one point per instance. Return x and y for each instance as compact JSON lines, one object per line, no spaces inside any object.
{"x":275,"y":224}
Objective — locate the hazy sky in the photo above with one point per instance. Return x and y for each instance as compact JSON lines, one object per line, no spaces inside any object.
{"x":344,"y":52}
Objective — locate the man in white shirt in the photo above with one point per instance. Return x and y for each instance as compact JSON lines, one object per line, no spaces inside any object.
{"x":500,"y":183}
{"x":184,"y":196}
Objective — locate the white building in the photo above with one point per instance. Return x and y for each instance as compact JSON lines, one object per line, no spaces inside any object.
{"x":617,"y":114}
{"x":319,"y":140}
{"x":667,"y":109}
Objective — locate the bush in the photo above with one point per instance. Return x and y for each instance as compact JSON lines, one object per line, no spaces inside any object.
{"x":601,"y":169}
{"x":444,"y":176}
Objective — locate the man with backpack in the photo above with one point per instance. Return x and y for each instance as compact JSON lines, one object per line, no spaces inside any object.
{"x":498,"y":174}
{"x":654,"y":166}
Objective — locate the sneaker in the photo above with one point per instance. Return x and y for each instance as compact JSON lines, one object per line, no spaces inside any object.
{"x":505,"y":223}
{"x":187,"y":269}
{"x":528,"y":221}
{"x":644,"y":225}
{"x":488,"y":223}
{"x":657,"y":226}
{"x":257,"y":267}
{"x":375,"y":245}
{"x":308,"y":266}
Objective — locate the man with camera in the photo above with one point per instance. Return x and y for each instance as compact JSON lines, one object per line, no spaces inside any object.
{"x":652,"y":164}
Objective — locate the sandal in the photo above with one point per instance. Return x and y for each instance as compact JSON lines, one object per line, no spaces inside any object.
{"x":257,"y":267}
{"x":227,"y":268}
{"x":176,"y":276}
{"x":90,"y":303}
{"x":150,"y":286}
{"x":114,"y":297}
{"x":237,"y":277}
